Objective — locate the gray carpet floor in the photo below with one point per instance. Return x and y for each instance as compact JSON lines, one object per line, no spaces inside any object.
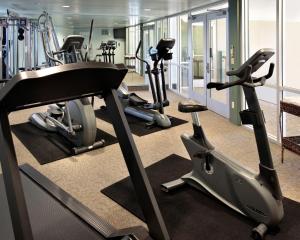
{"x":84,"y":175}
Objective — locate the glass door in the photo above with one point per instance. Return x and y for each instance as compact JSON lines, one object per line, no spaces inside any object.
{"x":217,"y":61}
{"x":148,"y":41}
{"x":197,"y":49}
{"x":208,"y":60}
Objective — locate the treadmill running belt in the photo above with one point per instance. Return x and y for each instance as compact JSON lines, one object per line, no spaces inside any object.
{"x":50,"y":220}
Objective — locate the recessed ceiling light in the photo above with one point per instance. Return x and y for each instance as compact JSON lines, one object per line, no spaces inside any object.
{"x":147,"y":9}
{"x":65,"y":6}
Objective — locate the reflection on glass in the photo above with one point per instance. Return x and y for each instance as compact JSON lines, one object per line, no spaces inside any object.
{"x":291,"y":44}
{"x":165,"y":28}
{"x":262,"y":31}
{"x":262,"y":34}
{"x":198,"y":57}
{"x":148,"y":41}
{"x":184,"y":81}
{"x":267,"y":100}
{"x":174,"y":77}
{"x":174,"y":70}
{"x":159,"y":30}
{"x":184,"y":38}
{"x":184,"y":90}
{"x":217,"y":31}
{"x":291,"y":126}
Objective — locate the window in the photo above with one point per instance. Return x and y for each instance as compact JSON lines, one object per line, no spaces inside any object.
{"x":263,"y":19}
{"x":174,"y":68}
{"x":291,"y":53}
{"x":262,"y":34}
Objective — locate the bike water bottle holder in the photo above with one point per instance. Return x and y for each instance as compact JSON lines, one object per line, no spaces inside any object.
{"x":250,"y":117}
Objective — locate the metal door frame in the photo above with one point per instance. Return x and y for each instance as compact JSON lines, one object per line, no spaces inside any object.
{"x":218,"y":107}
{"x":194,"y":19}
{"x":205,"y":98}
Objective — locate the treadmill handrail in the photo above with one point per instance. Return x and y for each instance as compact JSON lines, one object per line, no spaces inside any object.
{"x":42,"y":84}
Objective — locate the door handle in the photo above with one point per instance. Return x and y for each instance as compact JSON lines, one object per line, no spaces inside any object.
{"x":207,"y":68}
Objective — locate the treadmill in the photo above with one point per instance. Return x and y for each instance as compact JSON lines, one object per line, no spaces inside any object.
{"x":71,"y":48}
{"x":32,"y":207}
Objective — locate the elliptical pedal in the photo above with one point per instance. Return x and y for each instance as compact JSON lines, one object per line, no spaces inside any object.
{"x":96,"y":145}
{"x":135,"y":100}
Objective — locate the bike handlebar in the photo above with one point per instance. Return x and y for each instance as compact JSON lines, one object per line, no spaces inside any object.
{"x":244,"y":80}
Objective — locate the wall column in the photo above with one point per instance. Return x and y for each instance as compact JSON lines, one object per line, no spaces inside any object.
{"x":235,"y":46}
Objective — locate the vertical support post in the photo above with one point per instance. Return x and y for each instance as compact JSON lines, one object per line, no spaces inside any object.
{"x":279,"y":66}
{"x":12,"y":180}
{"x":142,"y":67}
{"x":155,"y":72}
{"x":260,"y":132}
{"x":143,"y":189}
{"x":235,"y":41}
{"x":1,"y":53}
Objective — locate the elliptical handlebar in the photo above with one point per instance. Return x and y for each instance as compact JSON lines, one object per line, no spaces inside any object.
{"x":136,"y":54}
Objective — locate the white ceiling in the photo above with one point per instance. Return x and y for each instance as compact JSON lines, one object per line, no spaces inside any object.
{"x":106,"y":13}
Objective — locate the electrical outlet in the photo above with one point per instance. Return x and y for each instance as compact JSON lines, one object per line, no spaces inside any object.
{"x":232,"y":105}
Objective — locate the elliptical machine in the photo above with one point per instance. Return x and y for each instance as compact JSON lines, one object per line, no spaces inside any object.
{"x":112,"y":46}
{"x":256,"y":196}
{"x":108,"y":52}
{"x":75,"y":120}
{"x":102,"y":57}
{"x":141,"y":108}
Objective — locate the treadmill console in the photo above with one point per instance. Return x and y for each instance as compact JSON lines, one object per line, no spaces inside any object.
{"x":71,"y":42}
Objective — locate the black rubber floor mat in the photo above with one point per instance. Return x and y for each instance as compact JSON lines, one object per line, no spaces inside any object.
{"x":49,"y":147}
{"x":138,"y":127}
{"x":191,"y":214}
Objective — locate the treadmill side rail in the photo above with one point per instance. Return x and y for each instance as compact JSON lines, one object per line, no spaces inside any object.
{"x":143,"y":189}
{"x":106,"y":78}
{"x":12,"y":179}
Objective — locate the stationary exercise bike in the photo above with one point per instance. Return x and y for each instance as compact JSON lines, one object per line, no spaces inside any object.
{"x":256,"y":196}
{"x":152,"y":113}
{"x":75,"y":120}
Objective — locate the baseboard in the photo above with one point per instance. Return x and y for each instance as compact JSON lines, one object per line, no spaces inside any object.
{"x":143,"y":87}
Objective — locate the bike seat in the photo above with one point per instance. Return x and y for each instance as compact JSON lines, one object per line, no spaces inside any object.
{"x":189,"y":106}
